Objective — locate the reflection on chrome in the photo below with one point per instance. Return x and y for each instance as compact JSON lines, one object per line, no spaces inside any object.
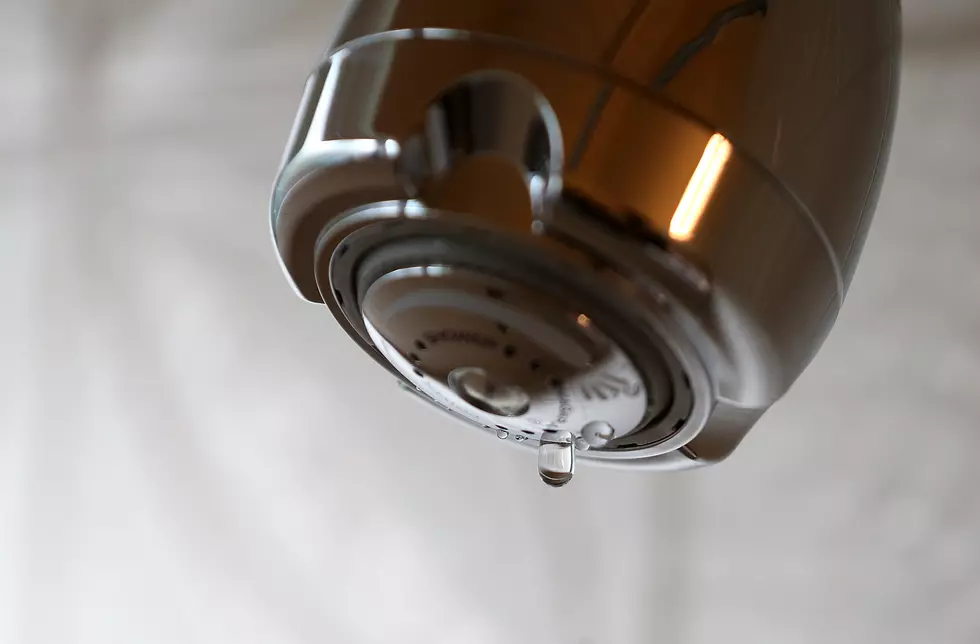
{"x":684,"y":184}
{"x":701,"y":188}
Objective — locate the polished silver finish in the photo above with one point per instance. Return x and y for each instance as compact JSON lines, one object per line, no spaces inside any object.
{"x":672,"y":193}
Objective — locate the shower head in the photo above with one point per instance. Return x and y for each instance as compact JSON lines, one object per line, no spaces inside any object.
{"x":609,"y":231}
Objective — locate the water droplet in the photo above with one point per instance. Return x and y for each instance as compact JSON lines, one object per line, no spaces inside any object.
{"x":598,"y":433}
{"x":502,"y":434}
{"x":556,"y":459}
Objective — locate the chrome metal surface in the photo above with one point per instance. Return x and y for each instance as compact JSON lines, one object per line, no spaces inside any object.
{"x":382,"y":256}
{"x":806,"y":89}
{"x":705,"y":161}
{"x":513,"y":360}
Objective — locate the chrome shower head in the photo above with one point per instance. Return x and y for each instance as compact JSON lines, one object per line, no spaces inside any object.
{"x":615,"y":231}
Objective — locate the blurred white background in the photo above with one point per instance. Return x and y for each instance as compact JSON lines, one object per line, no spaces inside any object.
{"x":190,"y":454}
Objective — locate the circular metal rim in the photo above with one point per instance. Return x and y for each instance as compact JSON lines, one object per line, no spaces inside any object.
{"x":651,"y":423}
{"x":334,"y":242}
